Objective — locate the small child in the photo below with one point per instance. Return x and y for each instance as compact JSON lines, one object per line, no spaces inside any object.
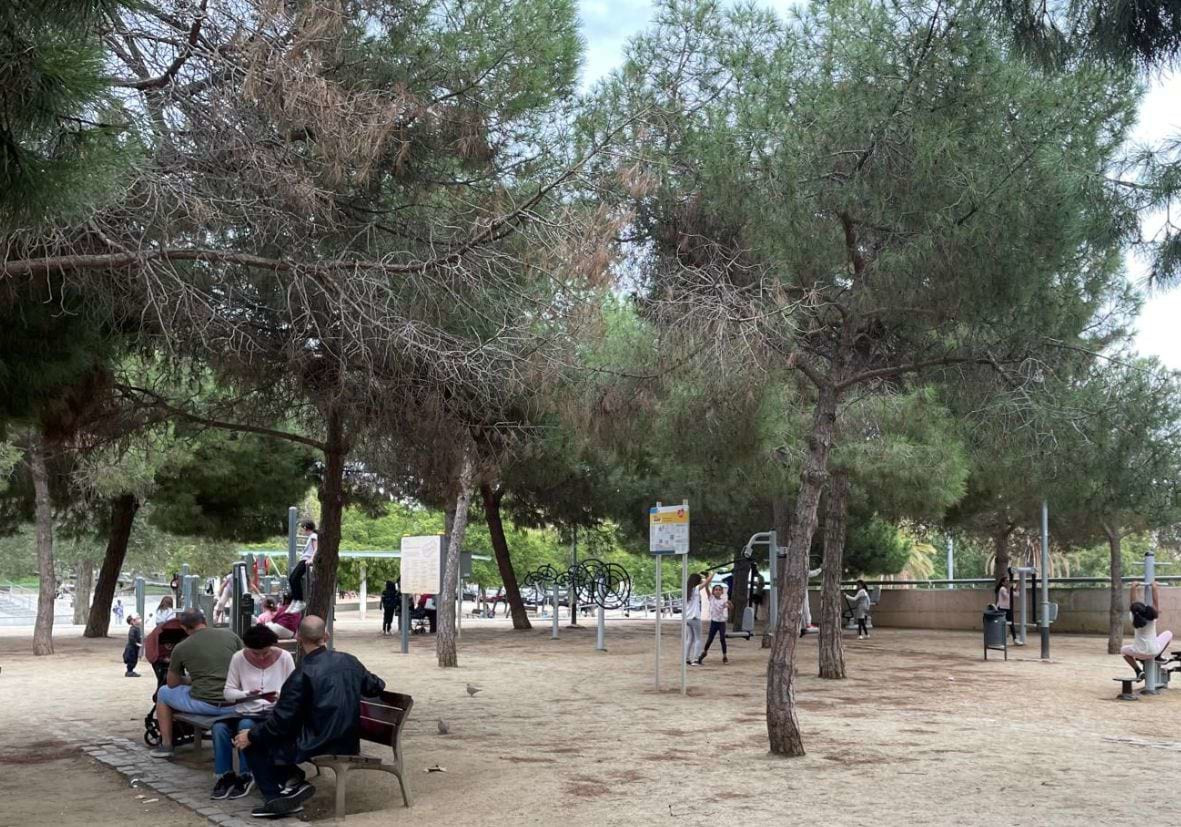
{"x":135,"y":642}
{"x":719,"y":608}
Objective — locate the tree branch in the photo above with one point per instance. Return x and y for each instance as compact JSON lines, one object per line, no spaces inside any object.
{"x":158,"y":401}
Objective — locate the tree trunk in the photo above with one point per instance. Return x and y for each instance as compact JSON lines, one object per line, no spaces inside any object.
{"x":123,"y":510}
{"x":83,"y":583}
{"x":783,"y":729}
{"x":47,"y":591}
{"x":832,"y":653}
{"x":741,"y":596}
{"x":1001,"y":552}
{"x":1115,"y":617}
{"x":504,"y":563}
{"x":445,"y":636}
{"x":327,"y":559}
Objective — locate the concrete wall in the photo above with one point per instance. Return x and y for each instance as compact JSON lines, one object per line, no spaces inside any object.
{"x":1081,"y":610}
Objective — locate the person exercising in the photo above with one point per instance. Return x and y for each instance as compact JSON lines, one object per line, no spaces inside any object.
{"x":1146,"y":643}
{"x":719,"y":608}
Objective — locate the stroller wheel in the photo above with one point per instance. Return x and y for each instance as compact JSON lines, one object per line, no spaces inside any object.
{"x":152,"y":738}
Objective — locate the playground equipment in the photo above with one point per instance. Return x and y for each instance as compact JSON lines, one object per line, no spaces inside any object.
{"x":606,"y":586}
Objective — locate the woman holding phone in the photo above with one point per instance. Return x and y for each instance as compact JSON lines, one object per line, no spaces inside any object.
{"x":256,"y":674}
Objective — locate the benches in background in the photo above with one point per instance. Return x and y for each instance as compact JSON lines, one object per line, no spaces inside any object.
{"x":382,"y":720}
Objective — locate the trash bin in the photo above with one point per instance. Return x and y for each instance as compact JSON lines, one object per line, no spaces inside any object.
{"x":995,"y":634}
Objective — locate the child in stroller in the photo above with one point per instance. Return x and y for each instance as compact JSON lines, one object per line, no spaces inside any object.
{"x":158,"y":652}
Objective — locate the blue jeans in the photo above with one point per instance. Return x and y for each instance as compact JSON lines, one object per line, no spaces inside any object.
{"x":181,"y":699}
{"x":223,"y":746}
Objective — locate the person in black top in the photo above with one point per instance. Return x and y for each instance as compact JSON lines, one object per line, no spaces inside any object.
{"x":318,"y":713}
{"x":391,"y":599}
{"x":135,"y":642}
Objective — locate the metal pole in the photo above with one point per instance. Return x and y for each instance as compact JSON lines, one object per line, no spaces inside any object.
{"x":684,"y":625}
{"x":773,"y":586}
{"x":140,"y":599}
{"x":1045,"y":618}
{"x":1151,"y":670}
{"x":659,"y":612}
{"x":601,"y":634}
{"x":184,"y":589}
{"x":951,"y":561}
{"x":554,"y":632}
{"x":292,"y":538}
{"x":571,"y":595}
{"x":459,"y":602}
{"x":404,"y":623}
{"x":364,"y":591}
{"x":1023,"y":596}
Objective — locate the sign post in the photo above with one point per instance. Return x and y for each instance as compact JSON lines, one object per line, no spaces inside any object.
{"x":668,"y":533}
{"x":420,"y":564}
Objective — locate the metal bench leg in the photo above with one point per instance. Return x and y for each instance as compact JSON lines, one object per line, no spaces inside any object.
{"x":342,"y":779}
{"x":405,"y":789}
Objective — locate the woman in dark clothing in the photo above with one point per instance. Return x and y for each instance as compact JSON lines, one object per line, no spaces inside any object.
{"x":391,"y":599}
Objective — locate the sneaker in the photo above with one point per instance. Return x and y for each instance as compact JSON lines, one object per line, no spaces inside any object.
{"x":132,"y":675}
{"x":221,"y":790}
{"x":725,"y":659}
{"x":242,"y":786}
{"x":287,"y":804}
{"x":162,"y":751}
{"x":296,"y":606}
{"x":700,"y":659}
{"x":272,"y":810}
{"x":293,"y":783}
{"x":861,"y":637}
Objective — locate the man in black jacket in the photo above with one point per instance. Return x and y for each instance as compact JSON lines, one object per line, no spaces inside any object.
{"x":318,"y":713}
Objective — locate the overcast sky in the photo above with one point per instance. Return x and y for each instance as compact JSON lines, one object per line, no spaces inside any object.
{"x":607,"y":25}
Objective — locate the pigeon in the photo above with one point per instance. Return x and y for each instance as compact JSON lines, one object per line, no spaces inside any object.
{"x":443,"y":728}
{"x":472,"y":690}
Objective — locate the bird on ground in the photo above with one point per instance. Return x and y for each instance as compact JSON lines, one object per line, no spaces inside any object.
{"x":443,"y":728}
{"x":472,"y":690}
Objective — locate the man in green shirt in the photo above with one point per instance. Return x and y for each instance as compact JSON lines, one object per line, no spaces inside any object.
{"x":196,"y":675}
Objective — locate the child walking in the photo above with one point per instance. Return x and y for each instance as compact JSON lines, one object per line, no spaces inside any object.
{"x":719,"y":608}
{"x":135,"y":642}
{"x":861,"y":610}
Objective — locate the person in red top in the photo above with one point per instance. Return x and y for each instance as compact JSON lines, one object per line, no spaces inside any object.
{"x":285,"y":622}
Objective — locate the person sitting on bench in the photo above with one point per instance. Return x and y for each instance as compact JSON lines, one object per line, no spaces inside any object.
{"x":1146,"y":644}
{"x":318,"y":713}
{"x":256,"y":675}
{"x":196,"y":675}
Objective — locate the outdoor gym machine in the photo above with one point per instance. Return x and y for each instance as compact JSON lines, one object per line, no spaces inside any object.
{"x":769,"y":539}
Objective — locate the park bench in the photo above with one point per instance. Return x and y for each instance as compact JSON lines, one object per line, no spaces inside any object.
{"x":382,"y":720}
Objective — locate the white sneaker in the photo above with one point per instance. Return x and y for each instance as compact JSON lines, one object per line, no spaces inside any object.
{"x":296,"y":606}
{"x":861,"y":637}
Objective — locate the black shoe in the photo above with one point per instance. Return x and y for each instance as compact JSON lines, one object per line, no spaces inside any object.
{"x":293,"y":783}
{"x":700,"y":659}
{"x":221,"y":790}
{"x":285,"y":805}
{"x":131,"y":675}
{"x":725,"y":659}
{"x":271,"y":810}
{"x":242,"y":786}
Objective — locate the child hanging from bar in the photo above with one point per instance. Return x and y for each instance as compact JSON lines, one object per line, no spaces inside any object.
{"x":719,"y":609}
{"x":1146,"y":643}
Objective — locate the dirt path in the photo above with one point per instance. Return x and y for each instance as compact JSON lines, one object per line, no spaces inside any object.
{"x":924,"y":732}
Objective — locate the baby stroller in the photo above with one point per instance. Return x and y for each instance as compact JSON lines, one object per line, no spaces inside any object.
{"x":158,"y":652}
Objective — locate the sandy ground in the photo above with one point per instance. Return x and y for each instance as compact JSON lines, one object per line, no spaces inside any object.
{"x":923,"y":732}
